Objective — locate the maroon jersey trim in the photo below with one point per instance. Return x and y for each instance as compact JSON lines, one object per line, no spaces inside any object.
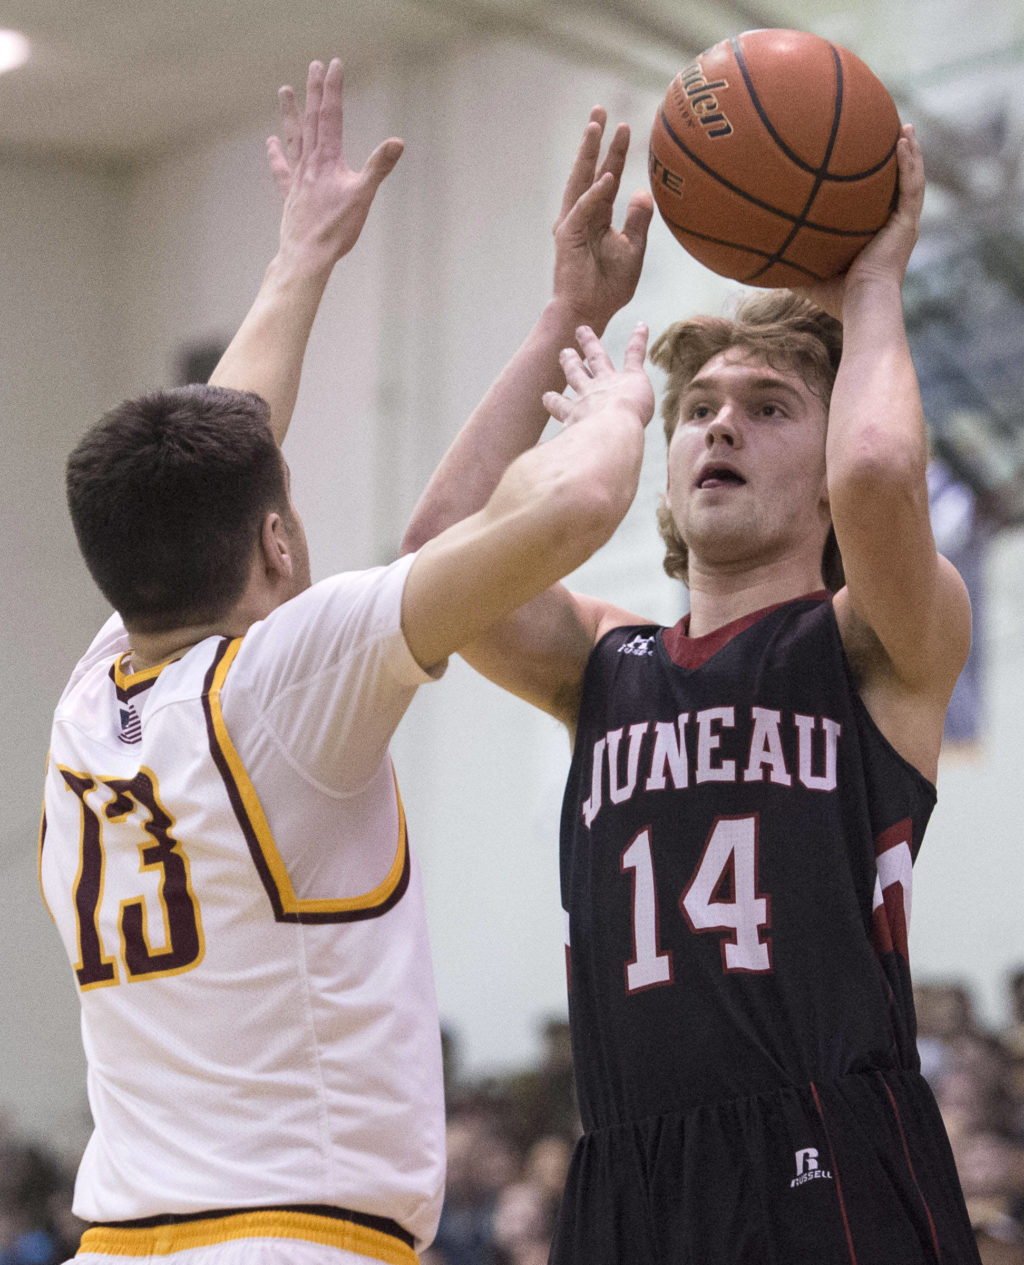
{"x":694,"y":652}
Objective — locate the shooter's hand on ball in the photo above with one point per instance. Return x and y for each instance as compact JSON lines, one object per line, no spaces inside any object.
{"x":883,"y":261}
{"x":599,"y":387}
{"x":596,"y":266}
{"x":325,"y":201}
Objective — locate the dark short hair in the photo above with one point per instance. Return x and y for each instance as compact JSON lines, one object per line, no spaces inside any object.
{"x":167,"y":493}
{"x":791,"y":334}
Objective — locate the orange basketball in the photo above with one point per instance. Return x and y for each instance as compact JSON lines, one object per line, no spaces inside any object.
{"x":773,"y":157}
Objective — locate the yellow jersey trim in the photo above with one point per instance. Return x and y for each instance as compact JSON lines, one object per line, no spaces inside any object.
{"x":127,"y":680}
{"x":247,"y":805}
{"x":262,"y":1224}
{"x":41,"y":841}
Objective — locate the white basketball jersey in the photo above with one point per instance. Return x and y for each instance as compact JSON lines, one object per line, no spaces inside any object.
{"x":224,"y":853}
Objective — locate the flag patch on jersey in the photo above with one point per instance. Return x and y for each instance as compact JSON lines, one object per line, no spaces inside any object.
{"x":131,"y":726}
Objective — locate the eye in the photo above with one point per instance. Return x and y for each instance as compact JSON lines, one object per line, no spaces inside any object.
{"x":698,"y":412}
{"x":770,"y":410}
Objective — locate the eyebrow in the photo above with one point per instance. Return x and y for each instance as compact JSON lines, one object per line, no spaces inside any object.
{"x":697,"y":385}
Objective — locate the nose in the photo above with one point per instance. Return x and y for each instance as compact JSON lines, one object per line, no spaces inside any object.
{"x":722,"y":429}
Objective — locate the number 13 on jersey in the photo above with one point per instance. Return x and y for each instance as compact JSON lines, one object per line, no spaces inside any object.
{"x":740,"y":915}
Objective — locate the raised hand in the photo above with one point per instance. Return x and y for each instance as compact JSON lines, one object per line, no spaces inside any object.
{"x":885,"y":258}
{"x":598,"y":385}
{"x":326,"y":202}
{"x":596,"y":266}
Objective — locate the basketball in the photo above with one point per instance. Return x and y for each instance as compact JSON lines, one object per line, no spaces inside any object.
{"x":773,"y":157}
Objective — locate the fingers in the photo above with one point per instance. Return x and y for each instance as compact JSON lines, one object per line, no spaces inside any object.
{"x":636,"y":348}
{"x":291,"y":125}
{"x":590,"y":372}
{"x":330,"y":126}
{"x":311,"y":115}
{"x":911,"y":168}
{"x":594,"y":354}
{"x":615,"y":159}
{"x":557,"y":406}
{"x":638,"y":218}
{"x":584,"y":166}
{"x":382,"y":161}
{"x":579,"y":369}
{"x":279,"y":166}
{"x":593,"y":209}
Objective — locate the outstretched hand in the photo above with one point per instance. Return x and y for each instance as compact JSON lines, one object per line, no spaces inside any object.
{"x":598,"y":385}
{"x":886,"y":256}
{"x":325,"y":202}
{"x":596,"y":266}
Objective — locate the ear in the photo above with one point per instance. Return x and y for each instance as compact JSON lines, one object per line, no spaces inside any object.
{"x":275,"y":552}
{"x":823,"y":498}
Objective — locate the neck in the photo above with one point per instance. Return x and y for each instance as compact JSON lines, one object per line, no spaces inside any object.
{"x":720,"y":595}
{"x":150,"y":649}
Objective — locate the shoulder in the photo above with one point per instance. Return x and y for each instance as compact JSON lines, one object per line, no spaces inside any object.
{"x":109,"y":642}
{"x":343,"y":623}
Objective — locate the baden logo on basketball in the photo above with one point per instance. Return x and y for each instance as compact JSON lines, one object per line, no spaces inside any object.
{"x":807,"y":1168}
{"x":692,"y":88}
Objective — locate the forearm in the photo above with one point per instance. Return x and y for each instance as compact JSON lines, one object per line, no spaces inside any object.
{"x":508,"y":421}
{"x":877,"y":433}
{"x":553,"y":507}
{"x":267,"y":352}
{"x":877,"y":455}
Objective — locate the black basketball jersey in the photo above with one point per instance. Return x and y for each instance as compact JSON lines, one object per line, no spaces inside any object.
{"x":737,"y":842}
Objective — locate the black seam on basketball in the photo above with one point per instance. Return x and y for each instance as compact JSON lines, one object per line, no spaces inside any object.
{"x":762,"y":114}
{"x":837,"y":111}
{"x":750,"y":250}
{"x":819,"y":171}
{"x":749,"y":197}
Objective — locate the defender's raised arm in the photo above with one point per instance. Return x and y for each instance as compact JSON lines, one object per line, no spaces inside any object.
{"x":326,"y":203}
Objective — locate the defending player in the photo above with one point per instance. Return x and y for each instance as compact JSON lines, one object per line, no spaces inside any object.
{"x":223,"y":847}
{"x":748,"y":792}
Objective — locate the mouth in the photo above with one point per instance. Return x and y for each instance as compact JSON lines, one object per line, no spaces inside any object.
{"x":719,"y":477}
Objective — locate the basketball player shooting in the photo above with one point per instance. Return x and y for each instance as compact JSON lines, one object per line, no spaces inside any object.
{"x":223,"y":847}
{"x":749,"y":789}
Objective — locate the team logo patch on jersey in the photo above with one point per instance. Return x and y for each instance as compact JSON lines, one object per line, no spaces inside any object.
{"x":131,"y":726}
{"x":807,"y":1167}
{"x":638,"y":645}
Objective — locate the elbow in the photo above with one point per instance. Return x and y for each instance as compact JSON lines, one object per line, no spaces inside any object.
{"x":879,"y":471}
{"x":585,"y":510}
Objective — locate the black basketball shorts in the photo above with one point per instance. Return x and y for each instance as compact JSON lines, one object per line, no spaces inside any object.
{"x":854,"y":1172}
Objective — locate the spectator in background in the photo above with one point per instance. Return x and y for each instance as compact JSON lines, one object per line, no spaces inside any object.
{"x":29,"y":1181}
{"x":973,"y":1073}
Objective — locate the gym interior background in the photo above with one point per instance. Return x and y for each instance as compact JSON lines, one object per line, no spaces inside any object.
{"x":136,"y":217}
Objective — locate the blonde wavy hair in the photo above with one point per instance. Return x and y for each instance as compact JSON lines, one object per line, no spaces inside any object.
{"x":786,"y":330}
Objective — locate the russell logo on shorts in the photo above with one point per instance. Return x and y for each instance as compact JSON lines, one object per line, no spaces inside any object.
{"x":808,"y":1168}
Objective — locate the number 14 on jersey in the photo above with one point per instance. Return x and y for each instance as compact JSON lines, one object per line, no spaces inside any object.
{"x":729,"y":860}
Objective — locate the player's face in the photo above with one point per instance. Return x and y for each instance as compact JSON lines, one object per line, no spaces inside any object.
{"x":746,"y":465}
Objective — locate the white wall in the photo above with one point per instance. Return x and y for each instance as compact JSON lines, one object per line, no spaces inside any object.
{"x":60,"y":287}
{"x":106,"y":279}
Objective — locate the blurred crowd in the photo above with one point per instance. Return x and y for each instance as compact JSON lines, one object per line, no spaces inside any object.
{"x":510,"y":1140}
{"x":978,"y":1079}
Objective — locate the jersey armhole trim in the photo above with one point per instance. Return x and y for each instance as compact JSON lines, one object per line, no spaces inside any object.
{"x":253,"y":822}
{"x":42,"y":840}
